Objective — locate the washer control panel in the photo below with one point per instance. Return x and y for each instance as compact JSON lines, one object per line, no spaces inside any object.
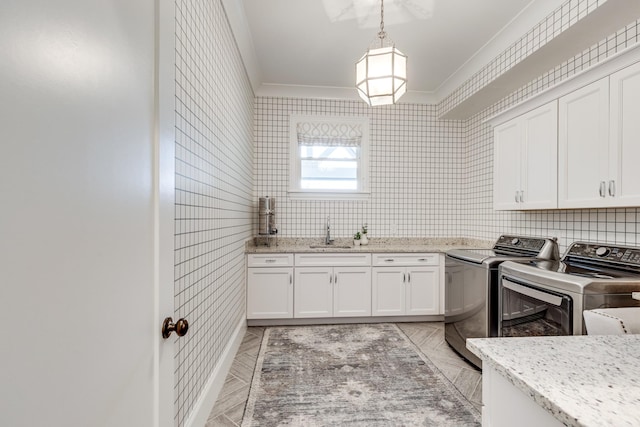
{"x":527,"y":243}
{"x":605,"y":253}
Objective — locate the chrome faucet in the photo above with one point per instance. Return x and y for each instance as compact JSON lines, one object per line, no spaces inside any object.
{"x":327,"y":238}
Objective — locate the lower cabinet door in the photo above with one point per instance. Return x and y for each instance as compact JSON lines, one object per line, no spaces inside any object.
{"x":313,"y":296}
{"x":422,"y":291}
{"x":388,"y":296}
{"x":270,"y":293}
{"x":351,"y":291}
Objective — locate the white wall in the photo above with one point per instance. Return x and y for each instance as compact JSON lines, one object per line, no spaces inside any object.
{"x":416,"y":171}
{"x":214,"y":193}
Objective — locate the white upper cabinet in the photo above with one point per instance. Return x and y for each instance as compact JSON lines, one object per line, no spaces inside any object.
{"x":583,"y":143}
{"x":525,"y":160}
{"x":623,"y":186}
{"x":585,"y":155}
{"x":600,"y":143}
{"x":506,"y":165}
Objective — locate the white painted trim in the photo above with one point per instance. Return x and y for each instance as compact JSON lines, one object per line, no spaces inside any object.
{"x":211,"y":390}
{"x":335,"y":93}
{"x":295,"y":192}
{"x":602,"y":69}
{"x":164,"y":210}
{"x":242,"y":34}
{"x":342,"y":320}
{"x":328,"y":195}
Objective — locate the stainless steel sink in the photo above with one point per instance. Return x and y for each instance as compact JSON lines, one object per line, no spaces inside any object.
{"x":329,"y":247}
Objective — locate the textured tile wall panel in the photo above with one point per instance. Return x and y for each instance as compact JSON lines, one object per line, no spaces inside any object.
{"x":555,"y":23}
{"x":481,"y":221}
{"x":416,"y":171}
{"x":214,"y":192}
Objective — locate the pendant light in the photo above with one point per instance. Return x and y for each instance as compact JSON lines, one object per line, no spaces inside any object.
{"x":381,"y":74}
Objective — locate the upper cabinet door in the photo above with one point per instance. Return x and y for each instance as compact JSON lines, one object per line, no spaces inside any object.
{"x":623,"y":186}
{"x":583,"y":133}
{"x":525,"y":161}
{"x":539,"y":175}
{"x":506,"y":165}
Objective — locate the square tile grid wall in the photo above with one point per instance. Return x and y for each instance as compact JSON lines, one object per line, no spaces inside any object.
{"x":555,"y":23}
{"x":619,"y":226}
{"x":410,"y":202}
{"x":416,"y":171}
{"x":214,"y":192}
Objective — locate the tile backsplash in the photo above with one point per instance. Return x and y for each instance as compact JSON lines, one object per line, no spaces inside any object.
{"x":214,"y":193}
{"x":416,"y":171}
{"x":429,"y":178}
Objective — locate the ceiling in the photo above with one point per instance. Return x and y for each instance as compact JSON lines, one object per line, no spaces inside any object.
{"x":317,"y":42}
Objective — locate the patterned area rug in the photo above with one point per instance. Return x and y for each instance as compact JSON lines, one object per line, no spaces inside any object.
{"x":350,"y":375}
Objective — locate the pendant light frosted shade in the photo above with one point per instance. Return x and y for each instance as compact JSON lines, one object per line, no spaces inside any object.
{"x":381,"y":76}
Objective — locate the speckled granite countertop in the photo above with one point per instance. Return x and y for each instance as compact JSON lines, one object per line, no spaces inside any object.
{"x":581,"y":380}
{"x":430,"y":245}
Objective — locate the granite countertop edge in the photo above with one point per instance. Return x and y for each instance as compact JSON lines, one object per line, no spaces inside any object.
{"x":376,"y":245}
{"x":511,"y":375}
{"x":555,"y":374}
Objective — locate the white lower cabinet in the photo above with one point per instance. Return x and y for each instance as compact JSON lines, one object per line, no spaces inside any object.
{"x":402,"y":289}
{"x":285,"y":286}
{"x":329,"y":291}
{"x":270,"y":293}
{"x":352,"y":291}
{"x":313,"y":294}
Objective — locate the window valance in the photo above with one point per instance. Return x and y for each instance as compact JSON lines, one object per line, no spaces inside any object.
{"x":329,"y":134}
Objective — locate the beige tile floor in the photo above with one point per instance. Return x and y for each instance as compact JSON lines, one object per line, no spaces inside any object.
{"x":428,"y":336}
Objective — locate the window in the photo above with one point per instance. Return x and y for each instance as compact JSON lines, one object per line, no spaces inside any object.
{"x":329,"y":157}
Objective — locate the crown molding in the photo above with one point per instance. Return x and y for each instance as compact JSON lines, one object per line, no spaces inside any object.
{"x":335,"y":93}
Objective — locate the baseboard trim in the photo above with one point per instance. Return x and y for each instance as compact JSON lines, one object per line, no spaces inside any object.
{"x":212,"y":388}
{"x":336,"y":320}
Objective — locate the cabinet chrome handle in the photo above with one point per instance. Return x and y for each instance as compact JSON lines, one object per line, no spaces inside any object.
{"x":290,"y":279}
{"x":422,"y":259}
{"x":388,"y":260}
{"x":517,"y":196}
{"x":602,"y":188}
{"x":404,"y":277}
{"x":335,"y":278}
{"x":521,"y":196}
{"x":269,"y":261}
{"x":331,"y":278}
{"x":612,"y":188}
{"x":409,"y":277}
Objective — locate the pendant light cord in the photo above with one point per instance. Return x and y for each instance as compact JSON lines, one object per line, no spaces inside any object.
{"x":382,"y":34}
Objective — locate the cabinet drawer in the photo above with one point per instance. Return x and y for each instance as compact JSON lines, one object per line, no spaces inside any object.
{"x":333,"y":260}
{"x":380,"y":260}
{"x":270,"y":260}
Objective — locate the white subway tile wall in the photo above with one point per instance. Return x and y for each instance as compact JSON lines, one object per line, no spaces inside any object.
{"x":598,"y":225}
{"x":214,"y":192}
{"x":422,"y":184}
{"x":555,"y":23}
{"x":416,"y":171}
